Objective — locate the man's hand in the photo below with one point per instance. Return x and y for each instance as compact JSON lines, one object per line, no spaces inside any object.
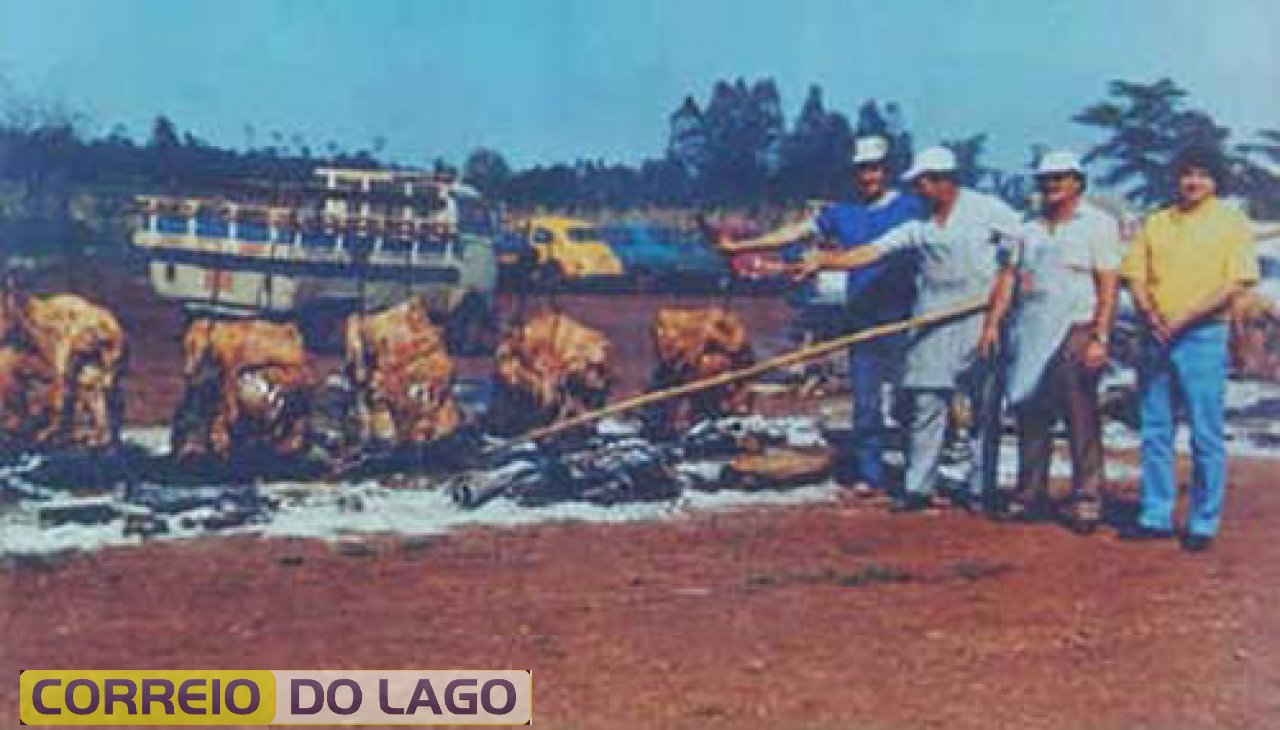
{"x":1175,"y":327}
{"x":1094,"y":356}
{"x":988,"y":341}
{"x":1026,"y":282}
{"x":1181,"y":324}
{"x":810,"y":265}
{"x":725,"y":245}
{"x":1160,"y":328}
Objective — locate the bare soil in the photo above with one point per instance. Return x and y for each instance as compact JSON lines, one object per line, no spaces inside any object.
{"x":821,"y":616}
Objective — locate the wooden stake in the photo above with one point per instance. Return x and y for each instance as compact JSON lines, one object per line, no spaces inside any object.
{"x":795,"y":356}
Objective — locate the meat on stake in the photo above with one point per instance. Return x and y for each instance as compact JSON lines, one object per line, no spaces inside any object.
{"x":66,"y":360}
{"x":696,"y":344}
{"x":402,"y":373}
{"x":548,"y":369}
{"x":248,"y":384}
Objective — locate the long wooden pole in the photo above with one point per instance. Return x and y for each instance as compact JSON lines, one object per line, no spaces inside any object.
{"x":795,"y":356}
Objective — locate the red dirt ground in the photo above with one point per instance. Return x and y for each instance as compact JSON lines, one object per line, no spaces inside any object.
{"x":821,"y":616}
{"x":817,"y":616}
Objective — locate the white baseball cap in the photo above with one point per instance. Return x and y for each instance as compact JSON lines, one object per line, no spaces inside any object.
{"x":933,"y":159}
{"x":1058,"y":162}
{"x":870,"y":149}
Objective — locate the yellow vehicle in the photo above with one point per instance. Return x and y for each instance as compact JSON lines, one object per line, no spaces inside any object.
{"x":569,"y":249}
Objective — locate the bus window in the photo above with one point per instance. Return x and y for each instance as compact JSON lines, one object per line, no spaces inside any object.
{"x":253,"y":227}
{"x":212,"y":226}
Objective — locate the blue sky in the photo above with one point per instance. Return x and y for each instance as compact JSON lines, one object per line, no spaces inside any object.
{"x":555,"y":80}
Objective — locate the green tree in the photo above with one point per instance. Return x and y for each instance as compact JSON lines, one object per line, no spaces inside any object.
{"x":164,"y":147}
{"x":742,"y":127}
{"x":488,"y":171}
{"x":816,"y":155}
{"x":164,"y":134}
{"x":687,"y":138}
{"x":1258,"y":176}
{"x":1146,"y":124}
{"x":969,"y":168}
{"x":665,"y":182}
{"x":766,"y":125}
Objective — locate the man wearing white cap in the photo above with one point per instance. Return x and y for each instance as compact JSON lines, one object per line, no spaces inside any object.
{"x":1062,"y":316}
{"x":857,"y":300}
{"x":959,"y":247}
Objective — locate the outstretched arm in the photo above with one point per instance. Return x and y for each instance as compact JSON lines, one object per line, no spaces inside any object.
{"x":899,"y":239}
{"x":821,"y":260}
{"x":774,"y":239}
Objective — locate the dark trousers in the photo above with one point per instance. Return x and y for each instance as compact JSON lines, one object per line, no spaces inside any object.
{"x":871,"y":365}
{"x":1069,"y":391}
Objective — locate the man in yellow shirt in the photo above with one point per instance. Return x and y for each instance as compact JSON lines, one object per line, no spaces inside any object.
{"x":1184,"y":269}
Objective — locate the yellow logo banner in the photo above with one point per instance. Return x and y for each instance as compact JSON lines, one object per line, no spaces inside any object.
{"x":214,"y":697}
{"x":277,"y":697}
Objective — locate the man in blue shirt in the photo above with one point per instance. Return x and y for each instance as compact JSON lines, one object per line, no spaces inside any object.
{"x":854,"y":300}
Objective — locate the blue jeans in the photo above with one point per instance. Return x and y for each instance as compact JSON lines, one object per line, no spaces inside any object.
{"x":871,"y":365}
{"x":1195,"y":363}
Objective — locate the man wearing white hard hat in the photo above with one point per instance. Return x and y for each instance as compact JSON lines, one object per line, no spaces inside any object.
{"x":958,"y":248}
{"x":1067,"y":279}
{"x":861,"y":299}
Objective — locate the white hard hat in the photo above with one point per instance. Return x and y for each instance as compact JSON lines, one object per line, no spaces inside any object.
{"x":871,"y":149}
{"x":933,"y":159}
{"x":1058,"y":162}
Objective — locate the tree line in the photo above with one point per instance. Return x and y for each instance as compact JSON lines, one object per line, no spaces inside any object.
{"x":733,"y":149}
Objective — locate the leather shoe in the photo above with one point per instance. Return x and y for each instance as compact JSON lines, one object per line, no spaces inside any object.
{"x":1193,"y":543}
{"x":1031,"y":512}
{"x":911,"y":503}
{"x":1137,"y":533}
{"x":863,"y":490}
{"x":1084,"y":518}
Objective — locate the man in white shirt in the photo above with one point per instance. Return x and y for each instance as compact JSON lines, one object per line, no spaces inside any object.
{"x":1062,"y":315}
{"x":959,"y":246}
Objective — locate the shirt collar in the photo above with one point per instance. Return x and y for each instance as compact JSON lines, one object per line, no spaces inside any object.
{"x":885,"y":200}
{"x":1206,"y":207}
{"x":1076,"y":215}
